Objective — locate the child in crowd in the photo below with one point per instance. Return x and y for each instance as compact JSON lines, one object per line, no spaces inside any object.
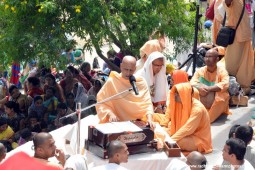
{"x":70,"y":101}
{"x":35,"y":124}
{"x":38,"y":107}
{"x":14,"y":119}
{"x":63,"y":110}
{"x":25,"y":136}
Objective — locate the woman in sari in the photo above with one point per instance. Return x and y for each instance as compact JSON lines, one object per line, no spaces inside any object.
{"x":38,"y":107}
{"x":68,"y":82}
{"x":33,"y":86}
{"x":80,"y":96}
{"x":50,"y":81}
{"x":80,"y":77}
{"x":50,"y":102}
{"x":154,"y":72}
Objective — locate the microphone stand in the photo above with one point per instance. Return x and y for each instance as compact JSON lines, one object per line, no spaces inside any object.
{"x":103,"y":101}
{"x":79,"y":110}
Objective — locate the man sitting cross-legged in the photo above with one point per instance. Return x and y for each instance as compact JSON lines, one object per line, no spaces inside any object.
{"x":127,"y":106}
{"x":212,"y":83}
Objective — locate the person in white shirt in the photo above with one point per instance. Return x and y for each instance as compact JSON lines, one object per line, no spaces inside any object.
{"x":245,"y":133}
{"x":117,"y":153}
{"x":233,"y":152}
{"x":76,"y":162}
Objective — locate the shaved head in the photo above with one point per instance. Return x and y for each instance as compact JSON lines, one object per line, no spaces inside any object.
{"x":40,"y":138}
{"x":44,"y":146}
{"x":129,"y":60}
{"x":117,"y":152}
{"x":211,"y":58}
{"x":128,"y":66}
{"x":114,"y":147}
{"x":196,"y":159}
{"x":213,"y":52}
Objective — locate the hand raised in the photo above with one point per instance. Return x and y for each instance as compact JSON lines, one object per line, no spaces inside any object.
{"x":59,"y":154}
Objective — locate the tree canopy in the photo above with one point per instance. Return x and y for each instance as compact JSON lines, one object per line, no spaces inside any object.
{"x":32,"y":29}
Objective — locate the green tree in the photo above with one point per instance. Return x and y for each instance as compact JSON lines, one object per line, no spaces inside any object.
{"x":38,"y":28}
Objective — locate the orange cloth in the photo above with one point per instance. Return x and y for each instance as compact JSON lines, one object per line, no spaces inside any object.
{"x":221,"y":79}
{"x":239,"y":58}
{"x":189,"y":119}
{"x":164,"y":119}
{"x":127,"y":106}
{"x":179,"y":76}
{"x":216,"y":21}
{"x":149,"y":47}
{"x":22,"y":161}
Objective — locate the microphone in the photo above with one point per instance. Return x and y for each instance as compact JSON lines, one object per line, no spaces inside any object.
{"x":132,"y":81}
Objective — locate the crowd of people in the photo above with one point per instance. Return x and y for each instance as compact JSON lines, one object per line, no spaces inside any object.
{"x":45,"y":102}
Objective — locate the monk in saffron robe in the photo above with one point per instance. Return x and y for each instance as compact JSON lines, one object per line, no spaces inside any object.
{"x":187,"y":120}
{"x":239,"y":58}
{"x":149,"y":47}
{"x":179,"y":76}
{"x":127,"y":106}
{"x":212,"y":83}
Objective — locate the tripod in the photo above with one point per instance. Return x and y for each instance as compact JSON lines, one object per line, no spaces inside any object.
{"x":194,"y":57}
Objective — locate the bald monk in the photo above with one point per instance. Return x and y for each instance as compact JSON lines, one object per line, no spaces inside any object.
{"x":127,"y":106}
{"x":187,"y":120}
{"x":45,"y":148}
{"x":196,"y":160}
{"x":212,"y":83}
{"x":117,"y":153}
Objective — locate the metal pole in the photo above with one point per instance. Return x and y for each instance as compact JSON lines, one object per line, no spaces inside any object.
{"x":78,"y":110}
{"x":195,"y":40}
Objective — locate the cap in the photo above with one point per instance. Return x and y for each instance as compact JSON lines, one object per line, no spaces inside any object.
{"x":77,"y":53}
{"x":208,"y":24}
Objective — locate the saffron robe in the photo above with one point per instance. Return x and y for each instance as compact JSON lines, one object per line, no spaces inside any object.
{"x":187,"y":120}
{"x":221,"y":79}
{"x":127,"y":106}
